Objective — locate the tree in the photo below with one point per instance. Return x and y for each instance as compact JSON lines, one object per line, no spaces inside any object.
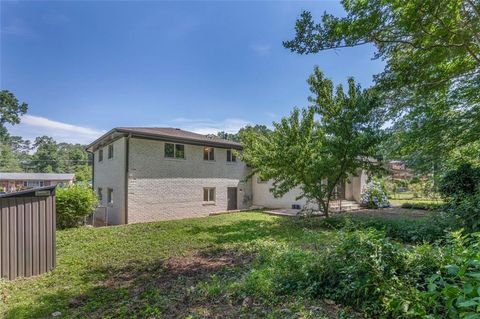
{"x":8,"y":161}
{"x":432,"y":54}
{"x":45,"y":159}
{"x":10,"y":111}
{"x":316,"y":154}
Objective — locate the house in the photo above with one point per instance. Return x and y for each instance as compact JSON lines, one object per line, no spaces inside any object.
{"x":11,"y":182}
{"x":148,"y":174}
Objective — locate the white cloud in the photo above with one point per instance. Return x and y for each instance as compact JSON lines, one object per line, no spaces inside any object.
{"x":209,"y":126}
{"x":17,"y":27}
{"x":261,"y":49}
{"x":32,"y":126}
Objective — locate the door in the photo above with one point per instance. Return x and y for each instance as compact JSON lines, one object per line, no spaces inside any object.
{"x":231,"y":198}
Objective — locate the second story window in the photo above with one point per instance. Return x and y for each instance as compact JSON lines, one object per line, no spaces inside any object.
{"x":174,"y":150}
{"x":110,"y":151}
{"x":231,"y":156}
{"x":100,"y":155}
{"x":209,"y":154}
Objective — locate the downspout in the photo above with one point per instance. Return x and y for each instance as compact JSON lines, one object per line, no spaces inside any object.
{"x":127,"y":155}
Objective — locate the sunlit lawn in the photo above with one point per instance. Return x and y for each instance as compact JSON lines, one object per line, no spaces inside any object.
{"x":151,"y":270}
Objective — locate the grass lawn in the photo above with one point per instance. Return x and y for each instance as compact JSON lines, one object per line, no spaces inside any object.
{"x":159,"y":270}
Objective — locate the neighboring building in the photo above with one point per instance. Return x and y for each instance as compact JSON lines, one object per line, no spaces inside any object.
{"x":11,"y":182}
{"x":150,"y":174}
{"x":398,"y":169}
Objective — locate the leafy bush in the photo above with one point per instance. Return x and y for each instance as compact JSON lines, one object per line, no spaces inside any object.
{"x":427,"y":229}
{"x":423,"y":206}
{"x":461,"y":182}
{"x":73,"y":204}
{"x":374,"y":195}
{"x":467,"y":212}
{"x":381,"y":277}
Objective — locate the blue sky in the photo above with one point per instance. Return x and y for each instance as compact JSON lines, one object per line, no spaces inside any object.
{"x":86,"y":66}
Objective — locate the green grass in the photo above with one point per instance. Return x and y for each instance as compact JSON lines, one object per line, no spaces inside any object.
{"x":399,"y":202}
{"x":163,"y":269}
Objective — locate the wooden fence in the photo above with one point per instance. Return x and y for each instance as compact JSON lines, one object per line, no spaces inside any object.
{"x":27,"y":232}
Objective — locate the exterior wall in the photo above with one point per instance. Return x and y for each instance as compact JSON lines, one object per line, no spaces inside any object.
{"x":110,"y":173}
{"x":264,"y":198}
{"x":162,"y":188}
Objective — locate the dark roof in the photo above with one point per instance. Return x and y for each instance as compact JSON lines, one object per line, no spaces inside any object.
{"x":167,"y":134}
{"x":37,"y":176}
{"x":28,"y":192}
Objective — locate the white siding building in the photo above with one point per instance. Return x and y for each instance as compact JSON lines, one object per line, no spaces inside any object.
{"x":151,"y":174}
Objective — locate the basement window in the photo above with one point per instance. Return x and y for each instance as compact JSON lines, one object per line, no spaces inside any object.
{"x":209,"y":195}
{"x":109,"y":196}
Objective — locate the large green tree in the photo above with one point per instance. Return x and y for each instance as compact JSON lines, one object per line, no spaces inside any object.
{"x":432,"y":54}
{"x":318,"y":147}
{"x":10,"y":111}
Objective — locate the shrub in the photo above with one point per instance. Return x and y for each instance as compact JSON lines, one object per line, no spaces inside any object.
{"x":423,"y":206}
{"x":374,"y":195}
{"x":427,"y":229}
{"x":368,"y":271}
{"x":467,"y":212}
{"x":74,"y":203}
{"x":461,"y":182}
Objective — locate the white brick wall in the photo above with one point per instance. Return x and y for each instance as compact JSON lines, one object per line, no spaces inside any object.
{"x":110,"y":173}
{"x":160,"y":188}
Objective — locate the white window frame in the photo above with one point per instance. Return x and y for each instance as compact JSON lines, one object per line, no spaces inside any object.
{"x":110,"y":151}
{"x":210,"y":151}
{"x":211,"y":195}
{"x":110,"y":196}
{"x":232,"y":158}
{"x":174,"y":151}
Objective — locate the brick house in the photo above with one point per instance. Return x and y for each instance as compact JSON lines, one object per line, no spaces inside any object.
{"x":10,"y":182}
{"x":150,"y":174}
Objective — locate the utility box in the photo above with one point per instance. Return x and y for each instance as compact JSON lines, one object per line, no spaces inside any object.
{"x":27,"y":232}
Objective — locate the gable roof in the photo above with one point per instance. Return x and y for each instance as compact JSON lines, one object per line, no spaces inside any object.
{"x":37,"y":176}
{"x":166,"y":134}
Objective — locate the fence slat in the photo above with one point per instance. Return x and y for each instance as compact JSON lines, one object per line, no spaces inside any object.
{"x":13,"y":238}
{"x":5,"y":236}
{"x":28,"y":237}
{"x":35,"y":238}
{"x":20,"y":237}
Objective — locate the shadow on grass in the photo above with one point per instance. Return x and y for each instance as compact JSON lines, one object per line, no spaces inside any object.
{"x":280,"y":229}
{"x":161,"y":288}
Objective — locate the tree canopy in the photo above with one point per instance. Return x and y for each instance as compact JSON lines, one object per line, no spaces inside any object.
{"x":432,"y":54}
{"x":317,"y":147}
{"x":10,"y":110}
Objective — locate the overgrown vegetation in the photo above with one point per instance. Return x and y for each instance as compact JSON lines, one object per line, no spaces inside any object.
{"x":73,"y":204}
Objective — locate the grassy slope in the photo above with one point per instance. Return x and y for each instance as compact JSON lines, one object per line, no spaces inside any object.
{"x":144,"y":270}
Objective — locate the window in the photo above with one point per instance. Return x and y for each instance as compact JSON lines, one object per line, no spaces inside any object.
{"x":179,"y":151}
{"x":110,"y":151}
{"x":209,"y":194}
{"x":109,"y":196}
{"x":231,"y":156}
{"x":100,"y":155}
{"x":174,"y":150}
{"x":33,"y":184}
{"x":209,"y":154}
{"x":100,"y":196}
